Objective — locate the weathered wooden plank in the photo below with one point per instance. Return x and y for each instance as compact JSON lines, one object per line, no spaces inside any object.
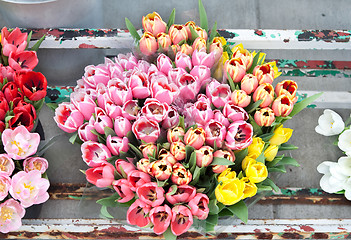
{"x":254,"y":229}
{"x":252,"y":39}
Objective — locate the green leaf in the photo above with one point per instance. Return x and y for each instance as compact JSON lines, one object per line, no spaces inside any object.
{"x":257,"y":129}
{"x":171,"y":19}
{"x":44,"y":145}
{"x":52,"y":106}
{"x":253,"y":106}
{"x":265,"y":137}
{"x":194,"y":34}
{"x":269,"y":182}
{"x":211,"y":222}
{"x":304,"y":103}
{"x":261,"y":188}
{"x":110,"y":201}
{"x":196,"y":175}
{"x":132,"y":29}
{"x":231,"y":82}
{"x":174,"y":190}
{"x":212,"y":205}
{"x":188,"y":151}
{"x":221,"y":161}
{"x":275,"y":161}
{"x":225,"y":212}
{"x":104,"y":212}
{"x":289,"y":161}
{"x":28,"y":38}
{"x":161,"y":183}
{"x":203,"y":16}
{"x":136,"y":150}
{"x":73,"y":138}
{"x":213,"y":32}
{"x":38,"y":104}
{"x":287,"y":146}
{"x":278,"y":168}
{"x":239,"y":157}
{"x":240,"y":210}
{"x":261,"y":158}
{"x":8,"y":118}
{"x":37,"y":44}
{"x":109,"y":131}
{"x":169,"y":235}
{"x":181,"y":122}
{"x":254,"y":62}
{"x":192,"y":162}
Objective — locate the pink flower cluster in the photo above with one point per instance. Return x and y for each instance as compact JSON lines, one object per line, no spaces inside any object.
{"x":26,"y":186}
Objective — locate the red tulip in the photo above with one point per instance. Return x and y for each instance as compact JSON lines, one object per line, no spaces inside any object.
{"x":32,"y":84}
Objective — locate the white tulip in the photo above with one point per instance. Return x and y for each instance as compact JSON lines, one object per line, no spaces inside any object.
{"x":347,"y":188}
{"x":330,"y":123}
{"x":333,"y":180}
{"x":345,"y":142}
{"x":345,"y":165}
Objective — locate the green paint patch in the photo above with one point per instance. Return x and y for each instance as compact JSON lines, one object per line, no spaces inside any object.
{"x":284,"y":62}
{"x":312,"y":106}
{"x":315,"y":191}
{"x":315,"y":73}
{"x":297,"y":33}
{"x":288,"y":192}
{"x":273,"y":36}
{"x":62,"y":95}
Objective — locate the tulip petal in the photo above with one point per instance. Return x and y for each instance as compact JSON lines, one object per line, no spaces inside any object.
{"x":324,"y":167}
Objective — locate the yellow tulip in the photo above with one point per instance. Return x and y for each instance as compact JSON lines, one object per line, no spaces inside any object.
{"x":230,"y":192}
{"x":250,"y":188}
{"x":281,"y":135}
{"x":256,"y":172}
{"x":255,"y":148}
{"x":226,"y":175}
{"x":246,"y":161}
{"x":271,"y":152}
{"x":275,"y":68}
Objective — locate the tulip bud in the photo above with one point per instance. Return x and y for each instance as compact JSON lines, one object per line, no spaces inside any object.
{"x":287,"y":87}
{"x":187,"y":27}
{"x":256,"y":172}
{"x":281,"y":135}
{"x":148,"y":44}
{"x":186,"y":49}
{"x":216,"y":47}
{"x":199,"y":44}
{"x":85,"y":134}
{"x":116,"y":145}
{"x":201,"y":32}
{"x":165,"y":155}
{"x":178,"y":33}
{"x":122,"y":126}
{"x":178,"y":150}
{"x":101,"y":122}
{"x":245,"y":55}
{"x":282,"y":106}
{"x":236,"y":69}
{"x":161,"y":169}
{"x":250,"y":188}
{"x":143,"y":165}
{"x":249,"y":83}
{"x":264,"y":73}
{"x":175,"y":48}
{"x":264,"y":92}
{"x":180,"y":175}
{"x":264,"y":117}
{"x":183,"y":61}
{"x":240,"y":98}
{"x":271,"y":152}
{"x":163,"y":40}
{"x":175,"y":134}
{"x":195,"y":137}
{"x":204,"y":156}
{"x":222,"y":154}
{"x":153,"y":23}
{"x":164,"y":63}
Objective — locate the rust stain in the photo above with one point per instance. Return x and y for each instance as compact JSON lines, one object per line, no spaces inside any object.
{"x":286,"y":40}
{"x":290,"y":229}
{"x":264,"y":236}
{"x":83,"y":45}
{"x":292,"y":236}
{"x":341,"y":228}
{"x":307,"y":228}
{"x":320,"y":236}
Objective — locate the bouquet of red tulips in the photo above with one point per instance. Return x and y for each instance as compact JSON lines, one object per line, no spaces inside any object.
{"x":183,"y":131}
{"x":22,"y":172}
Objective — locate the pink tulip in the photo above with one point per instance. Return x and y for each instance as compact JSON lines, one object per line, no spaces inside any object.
{"x":182,"y":219}
{"x":264,"y":92}
{"x":199,"y":44}
{"x":7,"y":72}
{"x":264,"y":73}
{"x":35,"y":163}
{"x":130,"y":110}
{"x":101,"y":122}
{"x":202,"y":112}
{"x":164,"y":40}
{"x":146,"y":130}
{"x":116,"y":145}
{"x":143,"y":165}
{"x":122,"y":126}
{"x":182,"y":60}
{"x":153,"y":109}
{"x":218,"y":93}
{"x":11,"y":213}
{"x":119,"y":92}
{"x":26,"y":60}
{"x":218,"y":116}
{"x":199,"y":206}
{"x":235,"y":113}
{"x":137,"y":179}
{"x":143,"y":65}
{"x":175,"y":73}
{"x":183,"y":194}
{"x":20,"y":143}
{"x":189,"y":86}
{"x":122,"y":187}
{"x":161,"y":218}
{"x":195,"y":137}
{"x":14,"y":41}
{"x":287,"y":87}
{"x":180,"y":175}
{"x":83,"y":103}
{"x":178,"y":150}
{"x":202,"y":72}
{"x":68,"y":118}
{"x":127,"y":61}
{"x":249,"y":83}
{"x":172,"y":119}
{"x":112,"y":110}
{"x":164,"y":63}
{"x":148,"y":149}
{"x":85,"y":134}
{"x":264,"y":117}
{"x":161,"y":169}
{"x":177,"y":33}
{"x":164,"y":91}
{"x":5,"y":183}
{"x":240,"y":98}
{"x":239,"y":135}
{"x":29,"y":188}
{"x":222,"y":154}
{"x":139,"y":84}
{"x":151,"y":194}
{"x":282,"y":106}
{"x":101,"y":176}
{"x":7,"y":165}
{"x":236,"y":69}
{"x":94,"y":154}
{"x":204,"y":156}
{"x":215,"y":132}
{"x":175,"y":134}
{"x":138,"y":214}
{"x":153,"y":23}
{"x":203,"y":58}
{"x":124,"y":165}
{"x":148,"y":44}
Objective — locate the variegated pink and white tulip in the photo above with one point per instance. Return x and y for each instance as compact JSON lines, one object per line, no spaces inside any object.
{"x":239,"y":135}
{"x":145,"y":129}
{"x":68,"y":118}
{"x":95,"y":154}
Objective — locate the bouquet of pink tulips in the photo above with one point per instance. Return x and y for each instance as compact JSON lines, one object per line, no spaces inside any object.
{"x":23,"y":180}
{"x":184,"y":134}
